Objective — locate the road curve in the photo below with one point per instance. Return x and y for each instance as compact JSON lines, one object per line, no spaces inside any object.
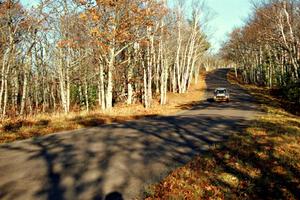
{"x":119,"y":159}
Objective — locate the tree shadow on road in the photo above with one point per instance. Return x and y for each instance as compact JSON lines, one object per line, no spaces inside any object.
{"x":92,"y":162}
{"x":124,"y":156}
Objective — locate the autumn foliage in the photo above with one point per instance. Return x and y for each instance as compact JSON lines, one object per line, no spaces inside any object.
{"x":63,"y":56}
{"x":266,"y":49}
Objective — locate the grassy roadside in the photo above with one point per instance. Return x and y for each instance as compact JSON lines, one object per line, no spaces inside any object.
{"x":43,"y":124}
{"x":262,"y":162}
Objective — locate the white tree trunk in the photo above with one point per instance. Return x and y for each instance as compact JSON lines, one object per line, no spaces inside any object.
{"x":129,"y":86}
{"x":86,"y":96}
{"x":101,"y":85}
{"x":27,"y":65}
{"x":62,"y":84}
{"x":109,"y":79}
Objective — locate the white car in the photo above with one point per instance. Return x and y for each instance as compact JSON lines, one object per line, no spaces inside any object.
{"x":221,"y":94}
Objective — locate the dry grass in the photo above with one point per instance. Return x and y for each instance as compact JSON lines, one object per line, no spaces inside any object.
{"x":42,"y":124}
{"x":262,"y":162}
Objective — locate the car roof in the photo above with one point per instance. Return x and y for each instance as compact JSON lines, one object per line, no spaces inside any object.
{"x":220,"y":89}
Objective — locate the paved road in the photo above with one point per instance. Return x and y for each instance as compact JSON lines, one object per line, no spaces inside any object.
{"x":119,"y":159}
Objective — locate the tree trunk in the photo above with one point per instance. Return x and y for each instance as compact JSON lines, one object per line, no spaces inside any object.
{"x":86,"y":96}
{"x":24,"y":90}
{"x":3,"y":77}
{"x":129,"y":86}
{"x":62,"y":84}
{"x":109,"y":79}
{"x":102,"y":88}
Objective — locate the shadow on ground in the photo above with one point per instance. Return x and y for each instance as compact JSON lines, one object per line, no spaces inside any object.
{"x":263,"y":172}
{"x":249,"y":165}
{"x":124,"y":157}
{"x":246,"y":166}
{"x":111,"y":157}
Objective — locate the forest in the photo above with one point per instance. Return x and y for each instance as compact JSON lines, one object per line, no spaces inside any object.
{"x":73,"y":55}
{"x":266,"y":49}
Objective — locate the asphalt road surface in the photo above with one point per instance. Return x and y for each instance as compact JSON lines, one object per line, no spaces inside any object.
{"x":117,"y":161}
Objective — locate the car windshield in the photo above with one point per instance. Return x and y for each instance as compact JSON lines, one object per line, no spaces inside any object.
{"x":221,"y":91}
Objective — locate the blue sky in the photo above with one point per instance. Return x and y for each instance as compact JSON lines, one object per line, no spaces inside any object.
{"x":225,"y":15}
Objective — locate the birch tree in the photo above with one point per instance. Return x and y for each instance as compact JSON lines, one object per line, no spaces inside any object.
{"x":267,"y":47}
{"x":73,"y":55}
